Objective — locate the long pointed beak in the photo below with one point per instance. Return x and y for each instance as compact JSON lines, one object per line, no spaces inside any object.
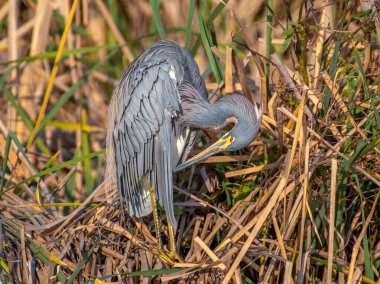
{"x":219,"y":146}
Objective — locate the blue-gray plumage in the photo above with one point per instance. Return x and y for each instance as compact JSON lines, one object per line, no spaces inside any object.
{"x":157,"y":105}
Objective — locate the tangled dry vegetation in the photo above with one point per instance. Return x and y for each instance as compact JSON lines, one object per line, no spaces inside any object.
{"x":299,"y":205}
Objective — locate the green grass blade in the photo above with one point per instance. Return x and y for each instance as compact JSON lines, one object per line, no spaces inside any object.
{"x":20,"y":111}
{"x":218,"y":9}
{"x":366,"y":87}
{"x":70,"y":185}
{"x":341,"y":205}
{"x":18,"y":108}
{"x":154,"y":272}
{"x":367,"y":255}
{"x":375,"y":111}
{"x":361,"y":150}
{"x":25,"y":119}
{"x":189,"y":23}
{"x":5,"y":160}
{"x":60,"y":20}
{"x":335,"y":57}
{"x":361,"y":69}
{"x":86,"y":163}
{"x":210,"y":54}
{"x":227,"y":193}
{"x":65,"y":204}
{"x":213,"y":15}
{"x":268,"y":45}
{"x":155,"y":5}
{"x":65,"y":53}
{"x":3,"y":79}
{"x":144,"y":273}
{"x":62,"y":100}
{"x":69,"y":192}
{"x":334,"y":60}
{"x":81,"y":264}
{"x":20,"y":148}
{"x":204,"y":9}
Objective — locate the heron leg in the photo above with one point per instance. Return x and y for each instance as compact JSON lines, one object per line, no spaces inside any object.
{"x":172,"y":256}
{"x":172,"y":252}
{"x":172,"y":249}
{"x":155,"y":217}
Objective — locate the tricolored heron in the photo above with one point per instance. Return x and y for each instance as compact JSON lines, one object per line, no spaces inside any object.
{"x":157,"y":106}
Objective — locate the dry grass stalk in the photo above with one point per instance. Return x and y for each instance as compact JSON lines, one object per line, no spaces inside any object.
{"x":12,"y":55}
{"x":209,"y":252}
{"x":303,"y":217}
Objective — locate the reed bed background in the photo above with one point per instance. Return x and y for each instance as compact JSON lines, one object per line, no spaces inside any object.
{"x":300,"y":205}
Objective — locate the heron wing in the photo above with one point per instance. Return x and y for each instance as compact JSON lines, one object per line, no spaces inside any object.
{"x":144,"y":134}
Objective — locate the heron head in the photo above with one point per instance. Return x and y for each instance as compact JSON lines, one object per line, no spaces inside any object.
{"x":246,"y":118}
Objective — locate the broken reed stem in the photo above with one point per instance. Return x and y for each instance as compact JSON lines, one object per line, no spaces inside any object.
{"x":278,"y":235}
{"x":209,"y":252}
{"x":334,"y":169}
{"x":228,"y":80}
{"x":25,"y":273}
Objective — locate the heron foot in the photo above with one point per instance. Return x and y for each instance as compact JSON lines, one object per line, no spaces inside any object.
{"x":169,"y":257}
{"x":175,"y":256}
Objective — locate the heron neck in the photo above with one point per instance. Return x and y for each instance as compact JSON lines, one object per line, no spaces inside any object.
{"x":234,"y":108}
{"x":209,"y":115}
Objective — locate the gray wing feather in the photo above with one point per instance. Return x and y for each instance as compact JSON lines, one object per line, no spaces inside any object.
{"x":143,"y":136}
